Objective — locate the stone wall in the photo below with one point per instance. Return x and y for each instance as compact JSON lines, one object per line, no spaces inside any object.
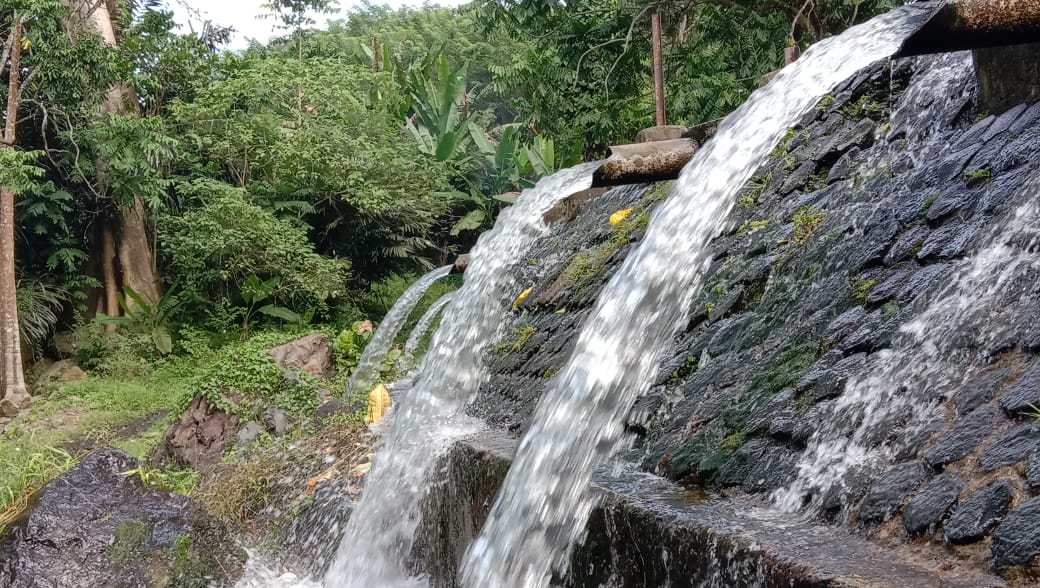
{"x":867,"y":214}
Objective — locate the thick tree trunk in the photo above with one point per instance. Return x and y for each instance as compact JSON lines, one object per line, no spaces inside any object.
{"x":133,"y":248}
{"x":13,"y":394}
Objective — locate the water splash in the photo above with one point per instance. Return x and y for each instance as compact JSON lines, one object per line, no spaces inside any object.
{"x":380,"y":533}
{"x":407,"y":360}
{"x":905,"y":384}
{"x":544,"y":504}
{"x":371,"y":361}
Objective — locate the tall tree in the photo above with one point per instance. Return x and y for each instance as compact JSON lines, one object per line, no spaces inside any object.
{"x":13,"y":394}
{"x":126,"y":255}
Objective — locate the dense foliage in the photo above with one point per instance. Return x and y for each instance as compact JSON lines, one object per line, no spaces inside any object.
{"x":338,"y":156}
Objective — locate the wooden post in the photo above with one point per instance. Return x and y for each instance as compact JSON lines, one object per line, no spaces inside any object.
{"x":658,"y":58}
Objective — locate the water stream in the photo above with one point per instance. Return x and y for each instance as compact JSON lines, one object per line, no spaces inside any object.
{"x":932,"y":355}
{"x":544,"y":504}
{"x":379,"y":536}
{"x":371,"y":361}
{"x":407,"y":360}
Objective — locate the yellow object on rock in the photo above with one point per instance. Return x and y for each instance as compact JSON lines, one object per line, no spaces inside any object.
{"x":378,"y":403}
{"x":620,"y":216}
{"x":521,"y":297}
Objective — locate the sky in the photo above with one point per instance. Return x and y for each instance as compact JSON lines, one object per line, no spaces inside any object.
{"x":242,"y":14}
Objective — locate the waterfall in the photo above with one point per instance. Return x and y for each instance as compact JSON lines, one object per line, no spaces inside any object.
{"x":905,"y":384}
{"x":379,"y":536}
{"x":407,"y":360}
{"x":543,"y":507}
{"x":371,"y":361}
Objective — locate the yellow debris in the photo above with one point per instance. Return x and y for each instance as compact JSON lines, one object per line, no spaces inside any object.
{"x":521,"y":297}
{"x":378,"y":403}
{"x":620,"y":216}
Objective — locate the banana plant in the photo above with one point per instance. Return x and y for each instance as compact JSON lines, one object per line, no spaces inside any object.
{"x":255,"y":291}
{"x":146,"y":318}
{"x":437,"y":124}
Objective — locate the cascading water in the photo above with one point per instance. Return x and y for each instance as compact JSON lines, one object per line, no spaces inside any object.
{"x":407,"y":360}
{"x":380,"y":533}
{"x":544,"y":504}
{"x":906,"y":383}
{"x":368,"y":367}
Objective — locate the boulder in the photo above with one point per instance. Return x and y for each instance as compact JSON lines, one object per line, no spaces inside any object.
{"x":1016,"y":541}
{"x":1011,"y":448}
{"x":311,"y":354}
{"x":928,"y":508}
{"x":97,"y":525}
{"x":887,"y":496}
{"x":65,"y":370}
{"x":199,"y":439}
{"x":966,"y":436}
{"x":979,"y":512}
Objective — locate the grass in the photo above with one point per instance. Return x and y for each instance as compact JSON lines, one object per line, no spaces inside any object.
{"x":32,"y":445}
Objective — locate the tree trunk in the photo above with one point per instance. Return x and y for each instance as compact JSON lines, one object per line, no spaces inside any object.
{"x":110,"y":306}
{"x":133,"y":248}
{"x":13,"y":394}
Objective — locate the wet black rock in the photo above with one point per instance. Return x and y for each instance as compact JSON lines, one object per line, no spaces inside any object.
{"x":1031,"y":340}
{"x":950,"y":240}
{"x":888,"y":494}
{"x":951,"y":202}
{"x":979,"y":512}
{"x":905,"y":247}
{"x":1033,"y":472}
{"x":889,"y":285}
{"x":97,"y":526}
{"x":843,"y":168}
{"x":1016,"y":541}
{"x":965,"y":437}
{"x":1012,"y":448}
{"x":776,"y":467}
{"x":1024,"y":392}
{"x":928,"y":508}
{"x":979,"y":390}
{"x":923,"y":280}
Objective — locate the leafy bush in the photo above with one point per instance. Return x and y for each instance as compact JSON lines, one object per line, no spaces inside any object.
{"x":244,"y":379}
{"x":216,"y":247}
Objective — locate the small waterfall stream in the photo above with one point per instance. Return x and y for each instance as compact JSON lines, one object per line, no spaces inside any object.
{"x":379,"y":536}
{"x":407,"y":360}
{"x":542,"y":508}
{"x":905,"y":384}
{"x":367,"y":371}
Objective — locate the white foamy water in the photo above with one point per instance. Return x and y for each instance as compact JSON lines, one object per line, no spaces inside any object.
{"x":379,"y":536}
{"x":544,"y":504}
{"x":371,"y":362}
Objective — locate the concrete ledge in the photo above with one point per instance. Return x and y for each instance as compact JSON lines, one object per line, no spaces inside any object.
{"x":649,"y":532}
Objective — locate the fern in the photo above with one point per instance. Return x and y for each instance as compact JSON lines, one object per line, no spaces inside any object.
{"x":39,"y":310}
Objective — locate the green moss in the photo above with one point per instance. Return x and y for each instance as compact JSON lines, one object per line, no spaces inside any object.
{"x":753,"y":226}
{"x":806,"y":220}
{"x":781,"y":147}
{"x":551,"y":371}
{"x":862,"y":288}
{"x":732,"y":443}
{"x":929,"y":200}
{"x":803,"y":403}
{"x":131,"y":543}
{"x":522,"y":334}
{"x":825,"y":102}
{"x":889,"y":309}
{"x":786,"y":369}
{"x":981,"y":174}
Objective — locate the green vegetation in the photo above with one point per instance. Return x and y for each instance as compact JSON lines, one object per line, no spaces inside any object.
{"x":753,"y":226}
{"x":865,"y":107}
{"x":806,"y":220}
{"x":862,"y":288}
{"x":980,"y":175}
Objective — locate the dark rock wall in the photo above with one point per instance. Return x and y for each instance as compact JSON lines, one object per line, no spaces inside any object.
{"x":859,"y":220}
